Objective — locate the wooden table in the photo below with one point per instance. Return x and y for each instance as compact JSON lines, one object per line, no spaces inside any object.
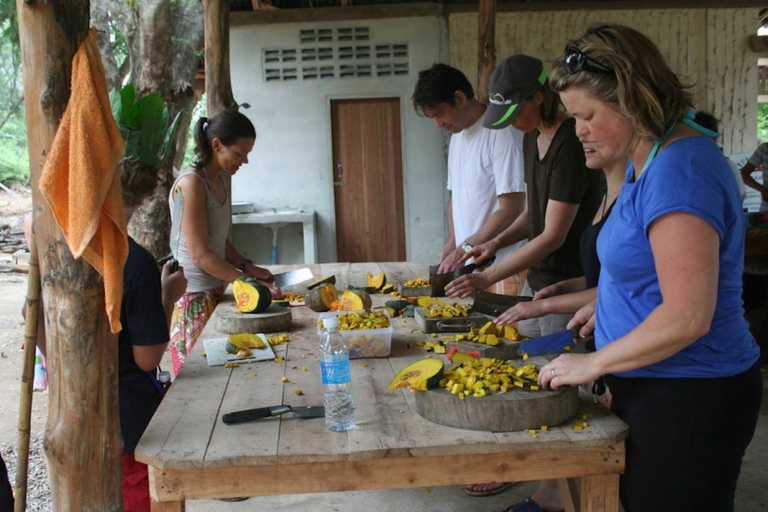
{"x":192,"y":455}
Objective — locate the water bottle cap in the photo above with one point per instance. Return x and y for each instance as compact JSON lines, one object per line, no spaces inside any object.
{"x":330,"y":322}
{"x":164,"y":376}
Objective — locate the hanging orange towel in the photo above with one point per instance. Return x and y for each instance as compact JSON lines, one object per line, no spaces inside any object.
{"x":81,"y":177}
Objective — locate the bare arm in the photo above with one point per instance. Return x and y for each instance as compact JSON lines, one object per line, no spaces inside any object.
{"x":510,"y":208}
{"x":194,"y":224}
{"x":567,"y":303}
{"x":173,"y":284}
{"x":559,"y":218}
{"x":685,"y":249}
{"x":746,"y":175}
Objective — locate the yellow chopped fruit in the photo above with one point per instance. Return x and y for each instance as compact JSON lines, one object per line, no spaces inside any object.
{"x":544,"y":428}
{"x":284,"y":379}
{"x":298,"y":392}
{"x":279,"y":359}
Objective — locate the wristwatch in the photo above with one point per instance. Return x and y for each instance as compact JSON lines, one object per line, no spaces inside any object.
{"x":465,"y":246}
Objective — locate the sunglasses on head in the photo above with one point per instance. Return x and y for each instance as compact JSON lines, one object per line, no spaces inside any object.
{"x":575,"y":61}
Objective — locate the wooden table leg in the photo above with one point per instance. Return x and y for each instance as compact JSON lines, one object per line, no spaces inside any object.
{"x":168,"y":506}
{"x":569,"y":493}
{"x":600,"y":493}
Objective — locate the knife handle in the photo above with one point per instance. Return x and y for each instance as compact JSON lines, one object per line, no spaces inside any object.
{"x":254,"y":414}
{"x":443,"y":325}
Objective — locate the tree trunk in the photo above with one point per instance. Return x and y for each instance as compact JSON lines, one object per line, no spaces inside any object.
{"x":218,"y":81}
{"x":486,"y":58}
{"x":164,"y":39}
{"x":82,"y":438}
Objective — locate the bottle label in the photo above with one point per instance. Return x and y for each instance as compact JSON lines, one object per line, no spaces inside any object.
{"x":335,"y":369}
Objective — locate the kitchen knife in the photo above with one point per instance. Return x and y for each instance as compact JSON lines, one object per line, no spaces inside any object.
{"x":306,"y":411}
{"x":292,"y":277}
{"x":494,"y":304}
{"x":438,"y":281}
{"x":555,"y":343}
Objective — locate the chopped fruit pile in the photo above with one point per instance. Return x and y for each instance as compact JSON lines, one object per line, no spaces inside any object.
{"x":416,"y":282}
{"x":293,"y":297}
{"x":481,"y":377}
{"x":363,"y":320}
{"x":436,"y":308}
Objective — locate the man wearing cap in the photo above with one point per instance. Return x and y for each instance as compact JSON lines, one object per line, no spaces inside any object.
{"x":563,"y":194}
{"x":485,"y":167}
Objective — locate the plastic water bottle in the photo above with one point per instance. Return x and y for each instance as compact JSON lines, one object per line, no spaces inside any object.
{"x":334,"y":369}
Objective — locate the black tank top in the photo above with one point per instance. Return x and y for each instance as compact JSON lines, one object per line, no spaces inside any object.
{"x":590,"y":263}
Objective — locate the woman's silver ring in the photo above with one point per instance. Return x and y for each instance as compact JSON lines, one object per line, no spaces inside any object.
{"x":554,"y":373}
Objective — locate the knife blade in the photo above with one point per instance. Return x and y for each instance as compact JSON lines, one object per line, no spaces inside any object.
{"x":292,"y":277}
{"x":495,"y":304}
{"x":554,"y":343}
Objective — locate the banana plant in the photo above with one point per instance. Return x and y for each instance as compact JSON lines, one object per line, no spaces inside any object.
{"x":143,"y":123}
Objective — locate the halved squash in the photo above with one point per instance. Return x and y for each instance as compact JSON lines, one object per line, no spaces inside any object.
{"x":353,"y":299}
{"x":376,"y":282}
{"x":321,"y":298}
{"x":420,"y":376}
{"x":245,"y":340}
{"x":251,"y":296}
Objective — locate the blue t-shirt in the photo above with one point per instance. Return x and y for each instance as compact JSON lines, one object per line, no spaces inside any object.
{"x":690,"y":175}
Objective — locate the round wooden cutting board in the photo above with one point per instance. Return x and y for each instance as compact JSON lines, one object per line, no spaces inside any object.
{"x":230,"y":321}
{"x":500,"y":412}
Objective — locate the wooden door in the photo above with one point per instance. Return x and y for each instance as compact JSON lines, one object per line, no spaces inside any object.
{"x":368,"y":180}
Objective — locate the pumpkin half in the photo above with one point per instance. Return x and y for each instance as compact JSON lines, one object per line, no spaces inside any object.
{"x":251,"y":296}
{"x":321,"y":298}
{"x":353,"y":299}
{"x":419,"y":376}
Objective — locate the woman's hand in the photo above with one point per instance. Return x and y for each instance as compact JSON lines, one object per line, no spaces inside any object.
{"x":276,"y":292}
{"x":464,"y":286}
{"x":568,"y":369}
{"x":259,"y":273}
{"x":521,"y":311}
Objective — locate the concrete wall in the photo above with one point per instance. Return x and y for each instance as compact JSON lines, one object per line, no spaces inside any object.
{"x":290,"y":165}
{"x":707,"y":47}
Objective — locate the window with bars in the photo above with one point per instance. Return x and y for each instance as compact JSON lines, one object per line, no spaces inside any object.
{"x":335,"y":53}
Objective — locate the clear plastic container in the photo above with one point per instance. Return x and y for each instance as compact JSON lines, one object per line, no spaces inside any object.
{"x":364,"y":343}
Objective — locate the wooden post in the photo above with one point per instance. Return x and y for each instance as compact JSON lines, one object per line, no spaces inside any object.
{"x":82,"y":438}
{"x":486,"y":57}
{"x":218,"y":81}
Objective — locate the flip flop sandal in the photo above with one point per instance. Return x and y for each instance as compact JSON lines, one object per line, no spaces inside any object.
{"x":499,"y":488}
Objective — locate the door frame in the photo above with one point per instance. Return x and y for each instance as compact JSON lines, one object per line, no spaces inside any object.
{"x":329,"y":168}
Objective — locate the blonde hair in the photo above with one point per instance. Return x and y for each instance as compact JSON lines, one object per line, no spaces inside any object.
{"x":642,"y":87}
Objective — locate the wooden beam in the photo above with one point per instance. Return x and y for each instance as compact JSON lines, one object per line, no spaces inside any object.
{"x":82,"y":437}
{"x":486,"y":40}
{"x":350,"y":13}
{"x":636,"y":5}
{"x":435,"y":9}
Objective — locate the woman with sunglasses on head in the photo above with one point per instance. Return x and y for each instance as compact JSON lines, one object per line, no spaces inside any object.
{"x":670,"y":333}
{"x":563,"y":194}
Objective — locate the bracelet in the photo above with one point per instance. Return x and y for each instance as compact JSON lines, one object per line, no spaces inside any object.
{"x":244,"y":264}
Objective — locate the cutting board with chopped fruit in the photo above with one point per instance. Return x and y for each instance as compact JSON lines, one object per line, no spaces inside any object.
{"x":217,"y":355}
{"x":441,"y":324}
{"x":519,"y":408}
{"x":231,"y":321}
